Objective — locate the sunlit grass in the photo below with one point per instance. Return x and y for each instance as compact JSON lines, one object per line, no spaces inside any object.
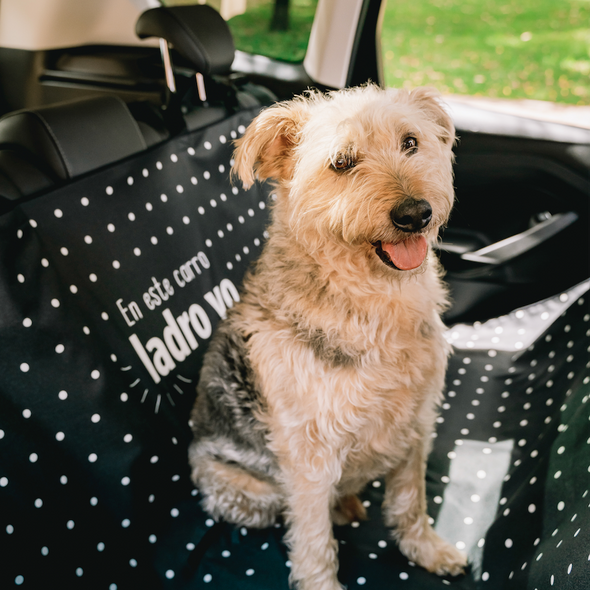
{"x":538,"y":49}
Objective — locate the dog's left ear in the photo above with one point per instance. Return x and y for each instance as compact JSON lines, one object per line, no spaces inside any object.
{"x":428,"y":99}
{"x":265,"y":150}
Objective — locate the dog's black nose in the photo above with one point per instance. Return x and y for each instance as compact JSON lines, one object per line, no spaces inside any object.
{"x":412,"y":215}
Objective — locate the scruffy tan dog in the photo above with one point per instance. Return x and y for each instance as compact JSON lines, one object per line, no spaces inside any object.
{"x":329,"y":371}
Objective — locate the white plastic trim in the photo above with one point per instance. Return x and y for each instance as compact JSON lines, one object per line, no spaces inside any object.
{"x":331,"y":41}
{"x":51,"y":24}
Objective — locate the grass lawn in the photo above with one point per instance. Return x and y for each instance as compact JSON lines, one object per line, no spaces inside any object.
{"x":537,"y":49}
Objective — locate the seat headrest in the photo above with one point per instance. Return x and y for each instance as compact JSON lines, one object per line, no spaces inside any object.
{"x":197,"y":32}
{"x":71,"y":138}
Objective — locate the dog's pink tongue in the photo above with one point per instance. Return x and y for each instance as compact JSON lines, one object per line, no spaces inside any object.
{"x":408,"y":254}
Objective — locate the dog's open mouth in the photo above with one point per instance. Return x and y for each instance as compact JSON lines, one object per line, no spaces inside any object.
{"x":405,"y":255}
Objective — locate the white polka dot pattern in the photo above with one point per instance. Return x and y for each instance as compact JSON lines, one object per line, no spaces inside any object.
{"x":75,"y":373}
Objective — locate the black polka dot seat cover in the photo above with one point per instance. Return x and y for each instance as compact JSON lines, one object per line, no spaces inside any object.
{"x":110,"y":288}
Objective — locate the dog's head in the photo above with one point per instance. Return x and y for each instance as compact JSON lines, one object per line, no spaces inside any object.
{"x":366,"y":168}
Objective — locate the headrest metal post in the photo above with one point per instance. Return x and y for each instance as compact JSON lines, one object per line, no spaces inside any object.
{"x":167,"y":60}
{"x":201,"y":87}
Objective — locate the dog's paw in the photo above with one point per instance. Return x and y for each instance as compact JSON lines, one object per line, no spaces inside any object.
{"x":433,"y":553}
{"x":348,"y":509}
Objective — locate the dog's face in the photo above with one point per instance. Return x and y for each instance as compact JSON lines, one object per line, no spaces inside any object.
{"x":365,"y":168}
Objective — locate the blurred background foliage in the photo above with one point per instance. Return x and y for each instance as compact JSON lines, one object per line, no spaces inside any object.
{"x":537,"y":49}
{"x":252,"y":31}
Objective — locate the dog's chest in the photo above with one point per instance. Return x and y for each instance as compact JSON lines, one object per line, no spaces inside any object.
{"x":365,"y":424}
{"x":353,"y":385}
{"x":351,"y":395}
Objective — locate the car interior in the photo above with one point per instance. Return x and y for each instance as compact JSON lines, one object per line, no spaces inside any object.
{"x":120,"y":227}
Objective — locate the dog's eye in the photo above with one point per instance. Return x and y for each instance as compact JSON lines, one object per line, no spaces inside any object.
{"x":410,"y":145}
{"x":344,"y":162}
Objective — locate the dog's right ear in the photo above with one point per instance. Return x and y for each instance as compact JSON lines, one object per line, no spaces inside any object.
{"x":429,"y":101}
{"x":265,"y":150}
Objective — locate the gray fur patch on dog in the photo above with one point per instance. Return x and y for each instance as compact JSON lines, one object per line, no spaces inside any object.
{"x":326,"y":350}
{"x":227,"y":398}
{"x":426,"y":330}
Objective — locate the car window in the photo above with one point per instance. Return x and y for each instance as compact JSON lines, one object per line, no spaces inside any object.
{"x":275,"y":28}
{"x":524,"y":49}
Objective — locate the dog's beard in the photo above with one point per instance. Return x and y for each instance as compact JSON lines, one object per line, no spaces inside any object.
{"x":405,"y":255}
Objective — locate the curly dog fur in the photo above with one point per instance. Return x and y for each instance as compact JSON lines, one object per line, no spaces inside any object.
{"x":328,"y":373}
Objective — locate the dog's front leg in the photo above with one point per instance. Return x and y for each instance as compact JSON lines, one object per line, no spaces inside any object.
{"x":313,"y":549}
{"x":404,"y":508}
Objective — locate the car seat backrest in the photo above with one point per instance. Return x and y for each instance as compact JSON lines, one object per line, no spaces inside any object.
{"x":45,"y":146}
{"x":116,"y":264}
{"x":110,"y":286}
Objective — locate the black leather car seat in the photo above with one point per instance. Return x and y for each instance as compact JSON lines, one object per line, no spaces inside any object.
{"x":44,"y":147}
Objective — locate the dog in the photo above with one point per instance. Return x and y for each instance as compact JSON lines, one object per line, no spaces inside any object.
{"x":328,"y":372}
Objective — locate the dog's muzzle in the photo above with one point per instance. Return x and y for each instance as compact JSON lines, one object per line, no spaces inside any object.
{"x":411,"y":215}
